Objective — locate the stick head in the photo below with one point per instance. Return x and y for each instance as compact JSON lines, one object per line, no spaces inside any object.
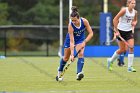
{"x":56,"y":78}
{"x":106,"y":43}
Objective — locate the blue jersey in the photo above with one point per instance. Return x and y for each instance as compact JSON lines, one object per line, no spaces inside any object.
{"x":79,"y":34}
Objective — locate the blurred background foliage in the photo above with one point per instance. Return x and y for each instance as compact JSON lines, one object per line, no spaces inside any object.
{"x":46,"y":12}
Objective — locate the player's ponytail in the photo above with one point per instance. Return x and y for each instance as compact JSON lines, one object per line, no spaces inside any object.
{"x":74,"y":12}
{"x":74,"y":9}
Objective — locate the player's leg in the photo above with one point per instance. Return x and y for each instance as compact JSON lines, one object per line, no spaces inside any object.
{"x":63,"y":62}
{"x":80,"y":62}
{"x":116,"y":54}
{"x":131,"y":56}
{"x":121,"y":59}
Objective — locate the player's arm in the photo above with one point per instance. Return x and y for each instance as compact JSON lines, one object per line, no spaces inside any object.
{"x":116,"y":18}
{"x":134,"y":22}
{"x":70,"y":31}
{"x":90,"y":32}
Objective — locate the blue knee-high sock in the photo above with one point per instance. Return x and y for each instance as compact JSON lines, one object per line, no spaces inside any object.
{"x":62,"y":64}
{"x":121,"y":57}
{"x":80,"y":64}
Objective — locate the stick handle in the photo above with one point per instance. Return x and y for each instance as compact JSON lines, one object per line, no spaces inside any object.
{"x":125,"y":41}
{"x":70,"y":63}
{"x":133,"y":29}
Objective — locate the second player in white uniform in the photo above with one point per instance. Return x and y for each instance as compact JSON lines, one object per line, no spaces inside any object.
{"x":124,"y":22}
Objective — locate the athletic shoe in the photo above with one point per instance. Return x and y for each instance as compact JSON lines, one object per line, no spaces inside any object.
{"x":123,"y":64}
{"x":120,"y":63}
{"x":109,"y":64}
{"x":58,"y":75}
{"x":131,"y":69}
{"x":80,"y":76}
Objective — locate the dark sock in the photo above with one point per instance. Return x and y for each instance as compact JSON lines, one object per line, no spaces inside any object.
{"x":62,"y":64}
{"x":121,"y":57}
{"x":80,"y":64}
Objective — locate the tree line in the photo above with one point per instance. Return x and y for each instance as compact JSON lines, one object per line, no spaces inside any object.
{"x":46,"y":12}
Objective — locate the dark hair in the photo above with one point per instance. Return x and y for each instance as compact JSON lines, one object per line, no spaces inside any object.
{"x":74,"y":12}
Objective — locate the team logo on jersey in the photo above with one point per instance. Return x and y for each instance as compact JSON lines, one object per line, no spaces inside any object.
{"x":79,"y":32}
{"x":129,"y":18}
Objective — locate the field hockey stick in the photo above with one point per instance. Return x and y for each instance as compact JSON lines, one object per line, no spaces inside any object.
{"x":110,"y":41}
{"x":62,"y":74}
{"x":133,"y":29}
{"x":125,"y":41}
{"x":106,"y":43}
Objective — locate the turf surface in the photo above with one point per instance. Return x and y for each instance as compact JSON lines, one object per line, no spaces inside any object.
{"x":37,"y":75}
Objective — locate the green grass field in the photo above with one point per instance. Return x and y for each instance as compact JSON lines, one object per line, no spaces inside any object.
{"x":37,"y":75}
